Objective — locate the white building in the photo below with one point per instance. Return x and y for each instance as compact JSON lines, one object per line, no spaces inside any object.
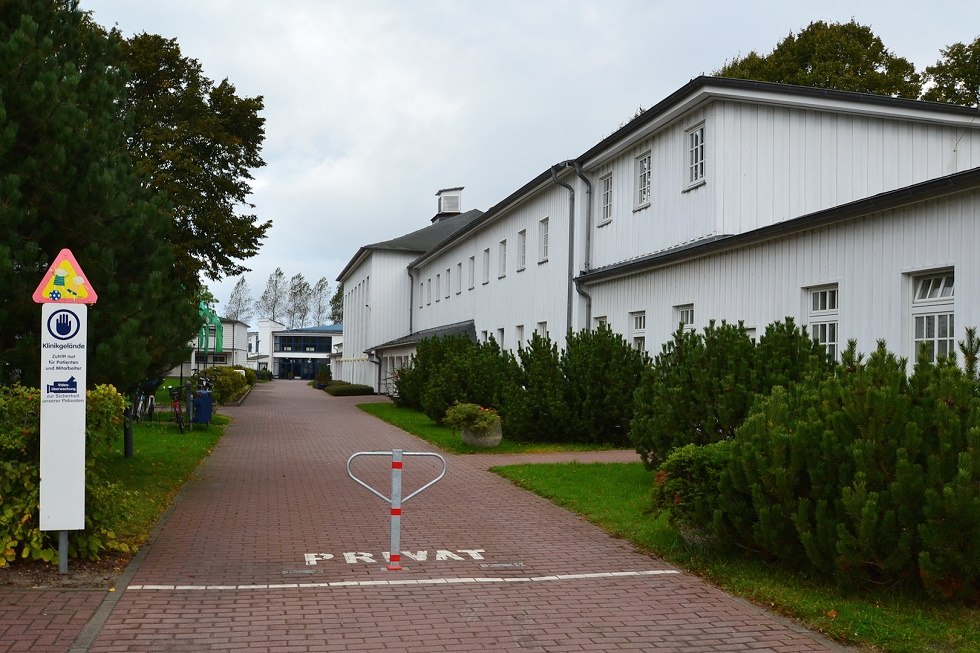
{"x":292,"y":353}
{"x":729,"y":200}
{"x":210,"y":350}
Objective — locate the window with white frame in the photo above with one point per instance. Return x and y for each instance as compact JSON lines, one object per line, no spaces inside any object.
{"x":448,"y":284}
{"x":502,"y":258}
{"x":638,"y":330}
{"x":486,"y":265}
{"x":600,"y":322}
{"x":644,"y":179}
{"x":605,"y":199}
{"x":695,"y":155}
{"x":459,"y":277}
{"x":500,"y":338}
{"x":483,"y":336}
{"x":933,"y":330}
{"x":684,"y":316}
{"x":428,"y":291}
{"x":543,"y":240}
{"x":521,"y":249}
{"x":472,"y":272}
{"x":519,"y":335}
{"x":822,"y":316}
{"x":438,"y":286}
{"x":542,"y":329}
{"x":421,"y":294}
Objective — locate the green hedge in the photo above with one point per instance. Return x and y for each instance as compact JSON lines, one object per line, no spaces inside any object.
{"x":344,"y":389}
{"x":20,"y":477}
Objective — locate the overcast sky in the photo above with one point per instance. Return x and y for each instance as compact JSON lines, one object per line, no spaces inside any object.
{"x":373,"y":106}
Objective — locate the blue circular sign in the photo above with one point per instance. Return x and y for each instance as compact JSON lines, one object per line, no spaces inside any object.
{"x":64,"y":324}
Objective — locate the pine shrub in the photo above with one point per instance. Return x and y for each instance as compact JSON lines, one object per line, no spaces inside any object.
{"x":534,"y":406}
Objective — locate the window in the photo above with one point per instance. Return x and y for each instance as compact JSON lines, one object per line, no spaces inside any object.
{"x":521,"y":249}
{"x":638,"y":330}
{"x":932,"y":316}
{"x":644,"y":182}
{"x":428,"y":291}
{"x":472,"y":272}
{"x":542,"y":329}
{"x":500,"y":338}
{"x":483,"y":336}
{"x":502,"y":259}
{"x":601,"y":321}
{"x":448,"y":283}
{"x":459,"y":277}
{"x":519,"y":335}
{"x":822,"y":317}
{"x":486,"y":265}
{"x":605,"y":199}
{"x":543,"y":240}
{"x":684,"y":316}
{"x":421,"y":293}
{"x":438,"y":285}
{"x":695,"y":155}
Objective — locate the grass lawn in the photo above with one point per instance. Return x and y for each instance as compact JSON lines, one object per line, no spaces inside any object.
{"x":163,"y":459}
{"x":616,"y":498}
{"x":418,"y":424}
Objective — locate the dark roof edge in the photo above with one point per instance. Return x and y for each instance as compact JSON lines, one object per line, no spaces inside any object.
{"x":467,"y":328}
{"x":921,"y":192}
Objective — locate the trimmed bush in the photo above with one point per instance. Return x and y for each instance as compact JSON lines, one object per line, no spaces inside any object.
{"x":20,"y":536}
{"x":686,"y":484}
{"x":227,"y":383}
{"x":344,"y":389}
{"x":866,"y":475}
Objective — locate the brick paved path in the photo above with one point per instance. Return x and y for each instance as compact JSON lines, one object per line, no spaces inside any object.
{"x":273,"y":548}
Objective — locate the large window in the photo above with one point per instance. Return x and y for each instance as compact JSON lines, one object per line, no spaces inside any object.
{"x":822,"y":316}
{"x":933,"y":331}
{"x":644,"y":179}
{"x":605,"y":199}
{"x":695,"y":155}
{"x":684,"y":316}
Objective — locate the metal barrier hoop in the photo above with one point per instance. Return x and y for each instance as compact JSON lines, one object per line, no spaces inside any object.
{"x":396,"y":500}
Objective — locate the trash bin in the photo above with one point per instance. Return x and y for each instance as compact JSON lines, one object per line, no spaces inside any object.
{"x":202,"y":407}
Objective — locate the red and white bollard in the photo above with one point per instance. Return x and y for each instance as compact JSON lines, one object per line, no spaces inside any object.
{"x":396,"y":500}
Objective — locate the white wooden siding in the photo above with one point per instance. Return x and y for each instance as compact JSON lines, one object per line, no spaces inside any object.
{"x":871,"y":259}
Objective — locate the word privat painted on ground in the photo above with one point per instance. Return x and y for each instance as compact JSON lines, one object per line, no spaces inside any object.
{"x":356,"y":557}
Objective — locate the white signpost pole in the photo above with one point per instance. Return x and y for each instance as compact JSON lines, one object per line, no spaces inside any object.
{"x":63,"y":294}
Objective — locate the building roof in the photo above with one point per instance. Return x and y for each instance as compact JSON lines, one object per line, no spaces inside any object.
{"x":325,"y":329}
{"x":418,"y":241}
{"x":466,"y":328}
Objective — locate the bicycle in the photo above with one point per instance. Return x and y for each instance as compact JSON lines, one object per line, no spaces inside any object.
{"x":145,"y":405}
{"x":175,"y":405}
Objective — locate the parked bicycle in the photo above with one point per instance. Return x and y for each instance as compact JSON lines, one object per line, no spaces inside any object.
{"x":175,"y":405}
{"x":145,"y":403}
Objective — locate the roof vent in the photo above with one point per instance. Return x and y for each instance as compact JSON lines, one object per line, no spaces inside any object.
{"x":449,"y":200}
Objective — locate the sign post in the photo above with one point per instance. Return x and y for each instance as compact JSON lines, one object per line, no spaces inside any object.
{"x":64,"y":294}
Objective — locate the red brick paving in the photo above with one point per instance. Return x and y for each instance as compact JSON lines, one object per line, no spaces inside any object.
{"x":498,"y":569}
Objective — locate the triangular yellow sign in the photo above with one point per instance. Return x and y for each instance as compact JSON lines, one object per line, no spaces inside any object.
{"x":65,"y":283}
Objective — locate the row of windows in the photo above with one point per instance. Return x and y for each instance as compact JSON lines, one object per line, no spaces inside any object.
{"x":441,"y":286}
{"x":933,"y":326}
{"x":694,"y":175}
{"x":520,"y":337}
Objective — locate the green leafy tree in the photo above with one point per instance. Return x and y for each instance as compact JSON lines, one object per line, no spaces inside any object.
{"x":197,"y":142}
{"x":239,"y":306}
{"x":272,"y":302}
{"x":320,"y":301}
{"x":337,"y":305}
{"x":956,"y":77}
{"x":66,"y":181}
{"x":840,"y":56}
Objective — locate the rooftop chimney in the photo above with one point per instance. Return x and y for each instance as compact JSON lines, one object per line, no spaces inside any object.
{"x":449,"y":202}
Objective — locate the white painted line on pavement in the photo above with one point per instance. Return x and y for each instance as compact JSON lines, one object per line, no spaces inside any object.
{"x":408,"y":581}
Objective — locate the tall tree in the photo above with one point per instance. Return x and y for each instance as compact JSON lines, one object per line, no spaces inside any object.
{"x":337,"y":305}
{"x":198,"y":143}
{"x":956,"y":77}
{"x":239,"y":306}
{"x":840,"y":56}
{"x":320,"y":301}
{"x":298,"y":307}
{"x":272,"y":302}
{"x":66,"y":181}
